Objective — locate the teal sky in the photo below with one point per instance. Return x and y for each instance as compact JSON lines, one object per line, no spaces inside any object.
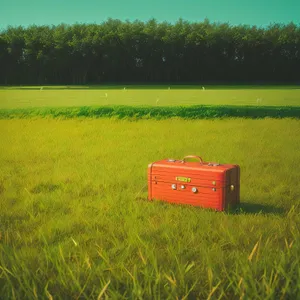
{"x":255,"y":12}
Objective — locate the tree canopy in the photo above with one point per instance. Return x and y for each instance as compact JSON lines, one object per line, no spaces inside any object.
{"x":117,"y":51}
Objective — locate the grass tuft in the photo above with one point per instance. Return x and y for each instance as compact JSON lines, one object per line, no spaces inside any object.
{"x":44,"y":188}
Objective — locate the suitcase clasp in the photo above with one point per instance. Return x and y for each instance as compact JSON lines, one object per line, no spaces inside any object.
{"x":194,"y":190}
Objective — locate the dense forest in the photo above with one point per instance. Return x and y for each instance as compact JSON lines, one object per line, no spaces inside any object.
{"x":117,"y":51}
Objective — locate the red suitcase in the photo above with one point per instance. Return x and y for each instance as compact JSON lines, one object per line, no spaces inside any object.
{"x":209,"y":185}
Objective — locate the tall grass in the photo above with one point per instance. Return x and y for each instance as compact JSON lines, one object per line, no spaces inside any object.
{"x":75,"y":222}
{"x":148,"y":112}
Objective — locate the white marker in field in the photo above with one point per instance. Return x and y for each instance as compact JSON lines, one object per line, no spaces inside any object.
{"x":157,"y":100}
{"x":106,"y":95}
{"x":124,"y":88}
{"x":259,"y":100}
{"x":41,"y":88}
{"x":203,"y":88}
{"x":169,"y":88}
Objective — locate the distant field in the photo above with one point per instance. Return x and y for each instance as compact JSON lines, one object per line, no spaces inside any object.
{"x":75,"y":222}
{"x":16,"y":97}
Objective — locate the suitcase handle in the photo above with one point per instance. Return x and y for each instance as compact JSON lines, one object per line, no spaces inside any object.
{"x":192,"y":156}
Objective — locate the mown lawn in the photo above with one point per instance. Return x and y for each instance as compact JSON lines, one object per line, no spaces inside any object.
{"x":75,"y":222}
{"x":156,"y":96}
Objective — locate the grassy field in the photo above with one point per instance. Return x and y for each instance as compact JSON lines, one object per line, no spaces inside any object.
{"x":156,"y":96}
{"x":75,"y":222}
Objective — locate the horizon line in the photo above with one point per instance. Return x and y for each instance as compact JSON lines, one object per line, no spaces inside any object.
{"x":205,"y":20}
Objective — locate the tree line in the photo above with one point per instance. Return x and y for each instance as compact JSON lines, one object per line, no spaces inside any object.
{"x":149,"y":52}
